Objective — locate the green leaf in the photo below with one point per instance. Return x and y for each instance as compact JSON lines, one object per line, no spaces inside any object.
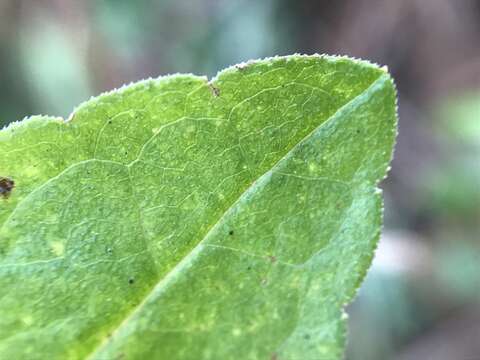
{"x":179,"y":218}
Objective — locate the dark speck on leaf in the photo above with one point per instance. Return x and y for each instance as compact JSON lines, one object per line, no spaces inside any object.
{"x":131,"y":280}
{"x":6,"y":186}
{"x":215,"y":90}
{"x":306,"y":337}
{"x":109,"y":122}
{"x":230,"y":232}
{"x":272,"y":258}
{"x":249,"y":268}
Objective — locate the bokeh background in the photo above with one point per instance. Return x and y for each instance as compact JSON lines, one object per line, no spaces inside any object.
{"x":421,"y":299}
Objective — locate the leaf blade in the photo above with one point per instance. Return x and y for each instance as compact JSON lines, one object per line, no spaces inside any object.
{"x":229,"y":81}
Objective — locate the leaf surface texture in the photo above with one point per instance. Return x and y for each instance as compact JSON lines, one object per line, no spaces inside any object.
{"x":181,"y":218}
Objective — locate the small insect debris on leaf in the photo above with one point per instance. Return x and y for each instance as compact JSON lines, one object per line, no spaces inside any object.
{"x":6,"y":186}
{"x":215,"y":90}
{"x":241,"y":66}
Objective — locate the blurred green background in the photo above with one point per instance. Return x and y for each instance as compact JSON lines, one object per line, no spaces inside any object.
{"x":421,"y":299}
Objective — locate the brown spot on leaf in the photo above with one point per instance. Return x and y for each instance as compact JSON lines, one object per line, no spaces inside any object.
{"x":272,"y":258}
{"x":6,"y":186}
{"x":215,"y":90}
{"x":274,"y":356}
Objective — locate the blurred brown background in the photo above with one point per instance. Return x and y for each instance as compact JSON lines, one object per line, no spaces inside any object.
{"x":421,"y":299}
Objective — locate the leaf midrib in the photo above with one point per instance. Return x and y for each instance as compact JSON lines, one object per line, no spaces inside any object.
{"x":196,"y":248}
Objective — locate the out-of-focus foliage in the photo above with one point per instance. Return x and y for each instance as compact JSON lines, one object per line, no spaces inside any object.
{"x":426,"y":274}
{"x":460,"y":117}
